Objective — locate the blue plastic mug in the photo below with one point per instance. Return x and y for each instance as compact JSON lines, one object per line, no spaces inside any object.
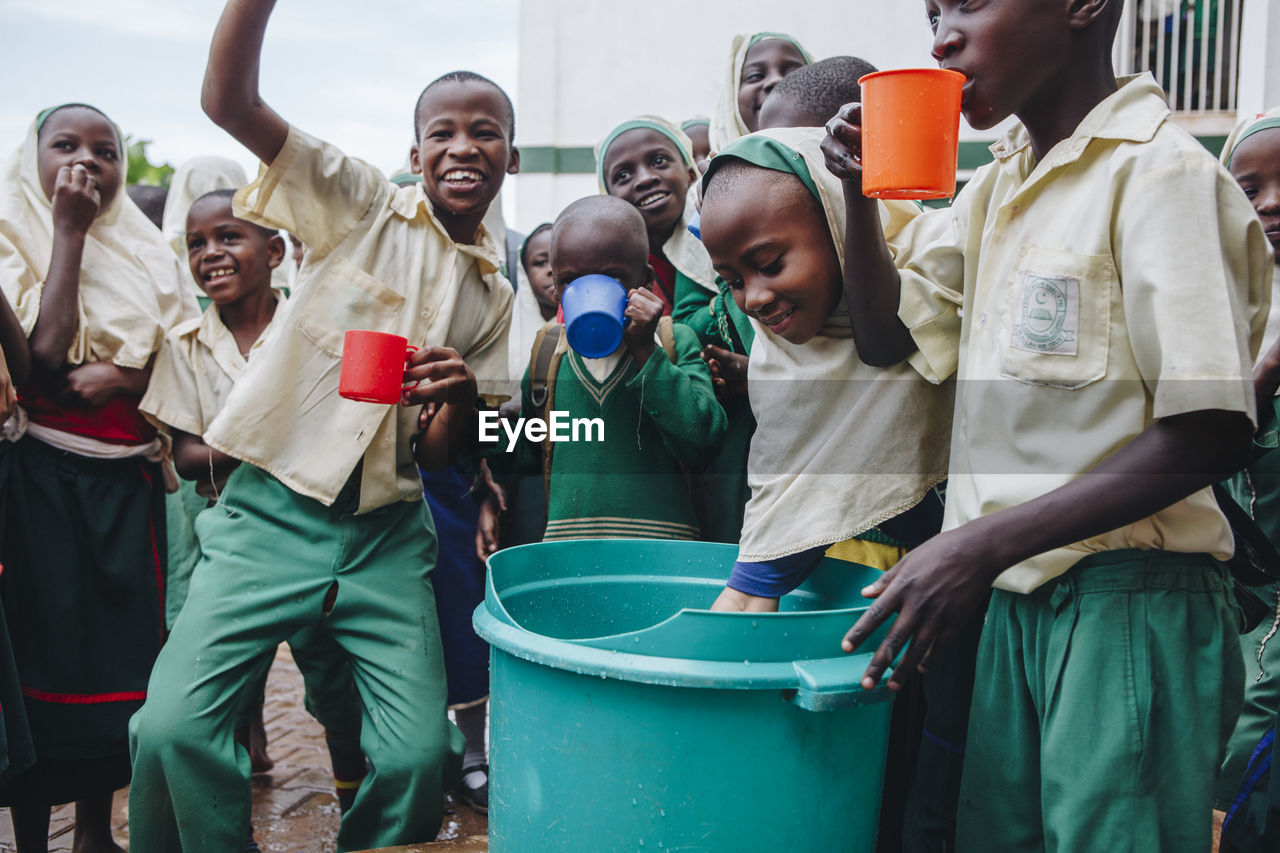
{"x":593,"y":308}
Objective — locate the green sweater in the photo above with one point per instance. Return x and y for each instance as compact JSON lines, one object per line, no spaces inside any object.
{"x":657,"y":421}
{"x":716,"y":318}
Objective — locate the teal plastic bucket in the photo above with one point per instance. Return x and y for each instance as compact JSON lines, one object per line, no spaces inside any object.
{"x":626,"y":716}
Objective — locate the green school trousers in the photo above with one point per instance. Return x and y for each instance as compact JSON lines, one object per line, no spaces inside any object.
{"x":269,"y":557}
{"x":1260,"y":649}
{"x":1102,"y":705}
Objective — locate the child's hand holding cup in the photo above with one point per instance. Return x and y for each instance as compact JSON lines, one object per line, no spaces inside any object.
{"x":901,"y":142}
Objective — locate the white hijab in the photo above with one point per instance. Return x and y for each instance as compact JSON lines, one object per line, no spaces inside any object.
{"x":726,"y":121}
{"x":131,"y":289}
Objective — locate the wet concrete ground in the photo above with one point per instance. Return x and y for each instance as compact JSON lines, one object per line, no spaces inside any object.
{"x":294,"y":808}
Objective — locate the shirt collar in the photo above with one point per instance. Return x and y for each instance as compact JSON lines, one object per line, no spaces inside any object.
{"x":408,"y":200}
{"x":1133,"y":113}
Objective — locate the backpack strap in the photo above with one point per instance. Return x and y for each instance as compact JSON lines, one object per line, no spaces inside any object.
{"x":667,"y":337}
{"x":552,"y":355}
{"x":541,"y":355}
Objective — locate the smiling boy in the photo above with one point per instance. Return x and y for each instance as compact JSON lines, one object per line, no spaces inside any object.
{"x":1099,"y":291}
{"x":328,"y":495}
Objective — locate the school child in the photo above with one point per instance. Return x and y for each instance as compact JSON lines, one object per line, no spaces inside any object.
{"x":756,"y":63}
{"x":653,"y":395}
{"x":192,"y":179}
{"x":328,"y":493}
{"x":832,"y":470}
{"x":535,"y":263}
{"x":1099,"y":292}
{"x":1252,"y":155}
{"x":233,"y":261}
{"x":649,"y":163}
{"x":698,"y":129}
{"x":535,"y":302}
{"x":94,"y":288}
{"x":812,"y":95}
{"x":519,"y":517}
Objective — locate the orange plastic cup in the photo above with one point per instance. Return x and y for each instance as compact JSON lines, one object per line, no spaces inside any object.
{"x":910,"y":133}
{"x":373,"y":366}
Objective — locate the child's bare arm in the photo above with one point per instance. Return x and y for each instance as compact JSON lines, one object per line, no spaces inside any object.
{"x":439,"y":375}
{"x":97,"y":382}
{"x":871,"y":283}
{"x":937,"y":586}
{"x":230,"y":94}
{"x":197,"y":461}
{"x":13,"y":341}
{"x":732,"y":601}
{"x":76,"y":202}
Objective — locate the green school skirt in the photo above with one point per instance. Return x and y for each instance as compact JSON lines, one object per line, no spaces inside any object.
{"x":83,"y":586}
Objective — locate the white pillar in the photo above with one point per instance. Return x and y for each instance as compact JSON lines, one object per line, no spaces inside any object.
{"x":1259,"y":57}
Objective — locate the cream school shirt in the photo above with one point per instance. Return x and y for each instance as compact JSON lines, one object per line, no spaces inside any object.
{"x":1123,"y":279}
{"x":194,"y":372}
{"x":377,"y":259}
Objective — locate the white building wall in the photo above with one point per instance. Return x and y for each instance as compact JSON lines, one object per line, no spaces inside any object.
{"x":585,"y":66}
{"x":1260,"y":56}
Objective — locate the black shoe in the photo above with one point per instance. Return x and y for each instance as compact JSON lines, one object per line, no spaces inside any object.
{"x":475,"y":798}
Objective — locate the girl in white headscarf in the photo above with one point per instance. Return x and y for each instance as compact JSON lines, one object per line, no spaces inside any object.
{"x":95,"y":288}
{"x":756,"y":63}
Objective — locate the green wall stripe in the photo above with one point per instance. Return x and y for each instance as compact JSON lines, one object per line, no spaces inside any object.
{"x":543,"y":159}
{"x":548,"y":159}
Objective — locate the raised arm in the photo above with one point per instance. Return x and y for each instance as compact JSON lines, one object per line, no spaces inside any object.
{"x":230,"y":94}
{"x":871,"y":283}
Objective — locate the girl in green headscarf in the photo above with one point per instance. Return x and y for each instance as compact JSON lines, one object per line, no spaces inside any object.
{"x":648,"y":162}
{"x":1252,"y":155}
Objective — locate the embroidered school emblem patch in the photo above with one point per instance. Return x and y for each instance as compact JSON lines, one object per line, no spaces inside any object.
{"x":1048,"y":318}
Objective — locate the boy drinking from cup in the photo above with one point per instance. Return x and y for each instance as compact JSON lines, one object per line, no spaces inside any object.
{"x":653,"y":395}
{"x":1100,"y":292}
{"x":328,"y":494}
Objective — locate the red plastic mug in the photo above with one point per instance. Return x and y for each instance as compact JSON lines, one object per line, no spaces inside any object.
{"x":373,"y":366}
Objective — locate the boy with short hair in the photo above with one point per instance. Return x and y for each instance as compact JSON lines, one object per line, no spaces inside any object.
{"x":234,"y":261}
{"x":1102,"y":286}
{"x":812,"y":95}
{"x":328,"y":493}
{"x":653,"y":395}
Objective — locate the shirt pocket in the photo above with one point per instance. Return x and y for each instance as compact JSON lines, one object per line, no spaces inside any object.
{"x":1057,"y":318}
{"x":346,"y":297}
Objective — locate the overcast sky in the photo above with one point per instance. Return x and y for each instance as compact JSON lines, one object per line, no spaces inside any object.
{"x":348,"y":75}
